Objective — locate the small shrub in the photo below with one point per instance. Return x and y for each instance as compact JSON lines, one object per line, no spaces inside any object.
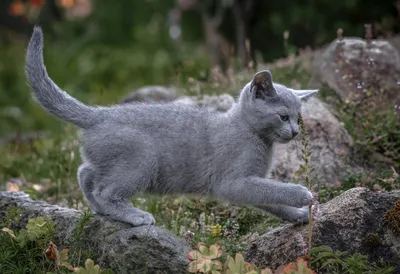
{"x":325,"y":260}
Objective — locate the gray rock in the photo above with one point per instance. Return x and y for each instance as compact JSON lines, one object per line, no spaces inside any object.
{"x":349,"y":66}
{"x":221,"y":102}
{"x":331,"y":147}
{"x":343,"y":224}
{"x":151,"y":94}
{"x":159,"y":94}
{"x":125,"y":249}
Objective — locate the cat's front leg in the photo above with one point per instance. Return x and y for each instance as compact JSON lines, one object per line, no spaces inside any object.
{"x":261,"y":191}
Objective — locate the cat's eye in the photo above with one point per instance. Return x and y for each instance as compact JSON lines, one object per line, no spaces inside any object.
{"x":284,"y":118}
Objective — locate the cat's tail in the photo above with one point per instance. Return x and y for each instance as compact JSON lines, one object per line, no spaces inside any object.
{"x":50,"y":96}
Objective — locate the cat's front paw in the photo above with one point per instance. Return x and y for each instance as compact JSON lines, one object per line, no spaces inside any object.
{"x":303,"y":217}
{"x":299,"y":196}
{"x":144,"y":218}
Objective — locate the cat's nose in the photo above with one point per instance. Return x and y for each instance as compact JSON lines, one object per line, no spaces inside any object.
{"x":294,"y":133}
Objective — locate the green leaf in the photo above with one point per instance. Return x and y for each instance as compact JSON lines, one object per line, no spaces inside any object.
{"x":331,"y":262}
{"x":90,"y":268}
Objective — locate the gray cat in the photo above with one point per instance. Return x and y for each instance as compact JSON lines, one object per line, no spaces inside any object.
{"x":178,"y":148}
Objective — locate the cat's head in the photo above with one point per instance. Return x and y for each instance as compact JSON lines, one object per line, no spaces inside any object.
{"x":271,"y":109}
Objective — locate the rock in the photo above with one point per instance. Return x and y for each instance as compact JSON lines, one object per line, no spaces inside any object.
{"x":162,"y":94}
{"x":125,"y":249}
{"x":344,"y":224}
{"x":150,"y":94}
{"x":357,"y":70}
{"x":331,"y":147}
{"x":221,"y":102}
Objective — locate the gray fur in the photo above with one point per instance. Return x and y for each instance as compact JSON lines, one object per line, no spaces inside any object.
{"x":179,"y":148}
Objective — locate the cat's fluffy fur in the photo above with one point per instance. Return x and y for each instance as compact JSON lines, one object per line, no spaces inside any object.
{"x":177,"y":148}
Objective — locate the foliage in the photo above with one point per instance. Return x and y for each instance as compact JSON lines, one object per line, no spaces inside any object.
{"x":392,"y":218}
{"x":325,"y":260}
{"x":83,"y":221}
{"x":32,"y":250}
{"x":298,"y":267}
{"x":383,"y":180}
{"x":36,"y":229}
{"x":207,"y":260}
{"x":91,"y":268}
{"x":238,"y":265}
{"x":203,"y":259}
{"x":26,"y":246}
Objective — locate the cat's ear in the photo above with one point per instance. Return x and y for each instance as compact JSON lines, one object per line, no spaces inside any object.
{"x":304,"y":94}
{"x":261,"y":85}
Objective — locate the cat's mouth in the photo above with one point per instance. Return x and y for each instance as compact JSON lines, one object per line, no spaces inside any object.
{"x":283,"y":140}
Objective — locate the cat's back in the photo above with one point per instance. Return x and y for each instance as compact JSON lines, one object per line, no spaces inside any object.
{"x":160,"y":122}
{"x":166,"y":115}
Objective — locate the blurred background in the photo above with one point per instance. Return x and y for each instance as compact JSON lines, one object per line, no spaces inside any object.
{"x":101,"y":50}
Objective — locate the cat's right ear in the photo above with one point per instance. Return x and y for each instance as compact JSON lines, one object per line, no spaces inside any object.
{"x":261,"y":86}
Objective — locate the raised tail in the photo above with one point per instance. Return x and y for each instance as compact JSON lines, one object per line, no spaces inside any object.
{"x":50,"y":96}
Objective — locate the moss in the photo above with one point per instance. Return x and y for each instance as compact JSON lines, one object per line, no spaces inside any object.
{"x":372,"y":239}
{"x":392,"y":218}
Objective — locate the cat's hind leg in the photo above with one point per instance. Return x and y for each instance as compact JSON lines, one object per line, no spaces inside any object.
{"x":86,"y":175}
{"x":115,"y":188}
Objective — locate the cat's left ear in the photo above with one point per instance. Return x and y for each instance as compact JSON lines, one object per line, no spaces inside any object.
{"x":304,"y":94}
{"x":262,"y":86}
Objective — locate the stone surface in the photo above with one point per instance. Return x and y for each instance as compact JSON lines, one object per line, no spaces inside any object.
{"x":331,"y":147}
{"x":150,"y":94}
{"x":153,"y":94}
{"x":343,"y":224}
{"x":125,"y":249}
{"x":354,"y":69}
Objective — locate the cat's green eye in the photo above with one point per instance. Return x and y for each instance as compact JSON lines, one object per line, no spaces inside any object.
{"x":284,"y":118}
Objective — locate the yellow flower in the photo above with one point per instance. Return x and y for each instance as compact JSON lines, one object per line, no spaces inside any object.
{"x":216,"y":230}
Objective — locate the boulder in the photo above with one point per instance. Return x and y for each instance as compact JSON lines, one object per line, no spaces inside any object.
{"x":221,"y":102}
{"x":345,"y":223}
{"x":330,"y":143}
{"x":159,"y":94}
{"x":359,"y":70}
{"x":150,"y":94}
{"x":119,"y":246}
